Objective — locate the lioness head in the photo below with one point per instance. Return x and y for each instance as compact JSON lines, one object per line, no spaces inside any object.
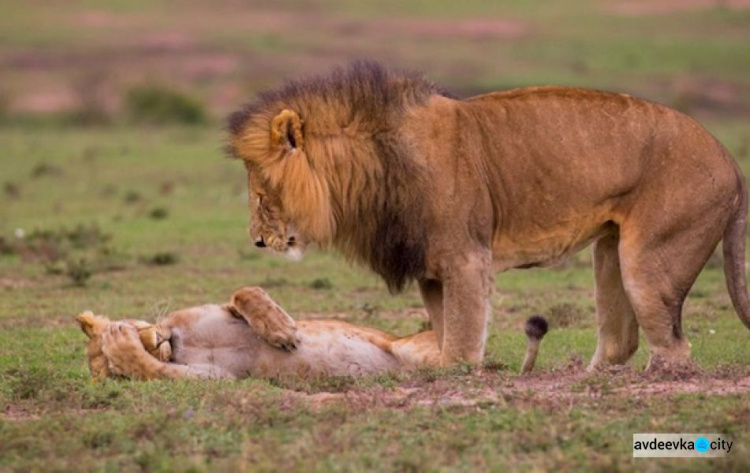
{"x":155,"y":339}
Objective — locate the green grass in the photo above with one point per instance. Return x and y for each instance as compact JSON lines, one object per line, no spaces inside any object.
{"x":46,"y":393}
{"x":167,"y":194}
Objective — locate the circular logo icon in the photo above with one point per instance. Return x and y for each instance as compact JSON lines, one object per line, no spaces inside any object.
{"x":702,"y":445}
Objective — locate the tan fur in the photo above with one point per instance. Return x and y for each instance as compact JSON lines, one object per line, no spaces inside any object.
{"x":151,"y":337}
{"x":420,"y":186}
{"x":243,"y":338}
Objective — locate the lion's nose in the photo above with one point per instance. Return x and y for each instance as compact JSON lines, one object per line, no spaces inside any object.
{"x":260,"y":242}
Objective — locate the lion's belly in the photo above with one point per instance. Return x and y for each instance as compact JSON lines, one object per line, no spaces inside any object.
{"x":529,"y":246}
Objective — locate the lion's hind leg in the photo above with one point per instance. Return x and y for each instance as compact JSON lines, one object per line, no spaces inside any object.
{"x":658,"y":270}
{"x":617,"y":326}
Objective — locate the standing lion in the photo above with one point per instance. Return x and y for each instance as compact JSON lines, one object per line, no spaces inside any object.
{"x":421,"y":186}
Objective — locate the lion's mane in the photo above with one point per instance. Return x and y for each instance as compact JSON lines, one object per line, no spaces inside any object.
{"x":358,"y":187}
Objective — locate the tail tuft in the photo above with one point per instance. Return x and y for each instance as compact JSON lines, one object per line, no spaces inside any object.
{"x":536,"y":327}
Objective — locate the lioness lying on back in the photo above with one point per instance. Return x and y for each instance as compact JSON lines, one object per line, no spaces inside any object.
{"x":249,"y":337}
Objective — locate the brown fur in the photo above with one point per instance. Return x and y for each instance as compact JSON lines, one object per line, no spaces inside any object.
{"x":418,"y":185}
{"x":362,"y":108}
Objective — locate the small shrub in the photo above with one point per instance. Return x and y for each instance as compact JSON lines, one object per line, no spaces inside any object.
{"x":321,"y":283}
{"x":164,"y":258}
{"x":131,"y":197}
{"x":567,"y":315}
{"x":12,"y":190}
{"x":87,"y":236}
{"x":77,"y":253}
{"x":155,"y":104}
{"x":45,"y":169}
{"x":108,"y":258}
{"x":275,"y":282}
{"x":79,"y":271}
{"x":158,"y":213}
{"x":369,"y":309}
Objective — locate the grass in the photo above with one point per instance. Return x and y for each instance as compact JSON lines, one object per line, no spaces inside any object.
{"x":172,"y":213}
{"x":45,"y":391}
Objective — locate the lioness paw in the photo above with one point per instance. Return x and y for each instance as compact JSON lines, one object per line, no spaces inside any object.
{"x":286,"y":340}
{"x":124,"y":350}
{"x":267,"y":319}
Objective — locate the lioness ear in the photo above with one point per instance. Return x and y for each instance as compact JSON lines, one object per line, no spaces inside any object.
{"x":286,"y":130}
{"x":91,"y":324}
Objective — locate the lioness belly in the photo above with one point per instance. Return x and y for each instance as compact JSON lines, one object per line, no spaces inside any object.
{"x":212,"y":338}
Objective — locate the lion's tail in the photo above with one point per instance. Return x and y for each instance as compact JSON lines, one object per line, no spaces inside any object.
{"x":734,"y":257}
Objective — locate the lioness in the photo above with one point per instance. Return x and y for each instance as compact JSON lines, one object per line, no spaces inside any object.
{"x":419,"y":185}
{"x":251,"y":336}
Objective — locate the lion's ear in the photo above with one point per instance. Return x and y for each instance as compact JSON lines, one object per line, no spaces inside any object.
{"x":286,"y":130}
{"x":92,"y":325}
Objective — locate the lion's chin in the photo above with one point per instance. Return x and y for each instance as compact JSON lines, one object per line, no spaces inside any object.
{"x":294,"y":253}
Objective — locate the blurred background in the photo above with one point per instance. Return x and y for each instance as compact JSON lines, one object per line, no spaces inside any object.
{"x":112,"y":61}
{"x":112,"y":128}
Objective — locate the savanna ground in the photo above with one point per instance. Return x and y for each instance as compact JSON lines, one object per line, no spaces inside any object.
{"x":101,"y":211}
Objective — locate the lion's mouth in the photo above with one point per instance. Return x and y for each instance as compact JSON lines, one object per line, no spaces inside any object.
{"x":294,"y":253}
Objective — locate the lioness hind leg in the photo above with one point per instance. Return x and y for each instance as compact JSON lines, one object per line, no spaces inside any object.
{"x":657,"y":275}
{"x":617,"y":326}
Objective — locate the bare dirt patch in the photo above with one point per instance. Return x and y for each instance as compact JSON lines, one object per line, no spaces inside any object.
{"x":566,"y":387}
{"x":17,"y":414}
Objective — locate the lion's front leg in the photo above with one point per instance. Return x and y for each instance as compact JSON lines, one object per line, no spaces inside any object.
{"x":466,"y":309}
{"x":126,"y":354}
{"x":432,"y":296}
{"x":127,"y":357}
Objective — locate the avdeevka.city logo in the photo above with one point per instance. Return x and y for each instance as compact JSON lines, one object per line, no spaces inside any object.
{"x":681,"y":445}
{"x":702,"y":444}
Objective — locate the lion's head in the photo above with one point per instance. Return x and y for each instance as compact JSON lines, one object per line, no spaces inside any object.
{"x":327,"y":164}
{"x":289,"y":206}
{"x":154,"y":337}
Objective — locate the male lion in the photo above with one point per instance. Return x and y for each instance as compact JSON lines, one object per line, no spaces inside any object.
{"x":422,"y":186}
